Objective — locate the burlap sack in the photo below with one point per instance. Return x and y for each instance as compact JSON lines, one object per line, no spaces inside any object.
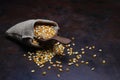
{"x":24,"y":31}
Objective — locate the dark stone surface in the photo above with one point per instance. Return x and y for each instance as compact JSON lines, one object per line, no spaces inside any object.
{"x":94,"y":22}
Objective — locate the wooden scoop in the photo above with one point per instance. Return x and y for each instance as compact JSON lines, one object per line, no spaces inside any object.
{"x":62,"y":39}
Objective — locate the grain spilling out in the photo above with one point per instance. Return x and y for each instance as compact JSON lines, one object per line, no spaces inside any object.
{"x":44,"y":58}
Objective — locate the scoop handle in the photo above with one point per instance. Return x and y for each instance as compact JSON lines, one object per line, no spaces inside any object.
{"x":62,"y":39}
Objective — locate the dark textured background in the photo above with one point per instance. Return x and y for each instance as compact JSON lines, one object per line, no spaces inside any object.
{"x":91,"y":22}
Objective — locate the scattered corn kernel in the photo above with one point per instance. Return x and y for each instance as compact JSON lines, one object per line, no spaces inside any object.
{"x":54,"y":65}
{"x":60,"y":66}
{"x":83,"y":52}
{"x":82,"y":61}
{"x":86,"y":47}
{"x":58,"y":62}
{"x":68,"y":45}
{"x":67,"y":69}
{"x":32,"y":71}
{"x":100,"y":50}
{"x":94,"y":55}
{"x":103,"y":61}
{"x":82,"y":49}
{"x":49,"y":67}
{"x":73,"y":38}
{"x":69,"y":64}
{"x":60,"y":69}
{"x":75,"y":52}
{"x":93,"y":68}
{"x":90,"y":48}
{"x":41,"y":65}
{"x":40,"y":57}
{"x":30,"y":59}
{"x":58,"y":75}
{"x":78,"y":56}
{"x":86,"y":62}
{"x":93,"y":47}
{"x":51,"y":62}
{"x":24,"y":54}
{"x":76,"y":64}
{"x":73,"y":44}
{"x":44,"y":73}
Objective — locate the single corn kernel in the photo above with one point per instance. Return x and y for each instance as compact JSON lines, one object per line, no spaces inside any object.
{"x":100,"y":50}
{"x":86,"y":62}
{"x":67,"y":69}
{"x":103,"y":61}
{"x":93,"y":68}
{"x":58,"y":75}
{"x":32,"y":71}
{"x":94,"y":55}
{"x":44,"y":73}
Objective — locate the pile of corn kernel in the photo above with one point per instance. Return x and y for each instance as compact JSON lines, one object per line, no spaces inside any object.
{"x":58,"y":48}
{"x":44,"y":32}
{"x":75,"y":57}
{"x":42,"y":56}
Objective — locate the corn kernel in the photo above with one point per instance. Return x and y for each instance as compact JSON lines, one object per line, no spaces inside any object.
{"x":82,"y":61}
{"x":60,"y":69}
{"x":103,"y":61}
{"x":90,"y":48}
{"x":44,"y":32}
{"x":86,"y":47}
{"x":83,"y":52}
{"x":58,"y":75}
{"x":93,"y":68}
{"x":49,"y":67}
{"x":94,"y":55}
{"x":67,"y":69}
{"x":73,"y":38}
{"x":76,"y":65}
{"x":82,"y":49}
{"x":44,"y":73}
{"x":32,"y":71}
{"x":86,"y":62}
{"x":100,"y":50}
